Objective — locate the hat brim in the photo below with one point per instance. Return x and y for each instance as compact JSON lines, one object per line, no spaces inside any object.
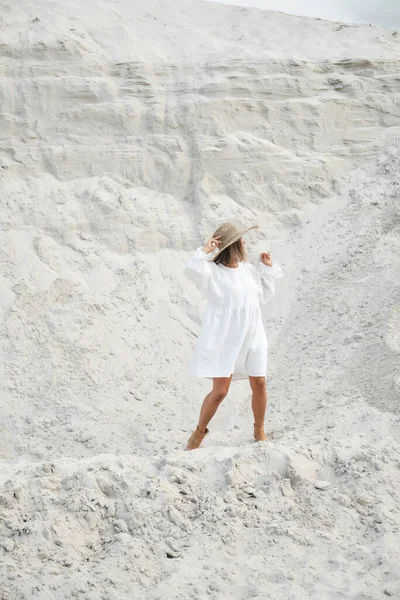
{"x":236,"y":237}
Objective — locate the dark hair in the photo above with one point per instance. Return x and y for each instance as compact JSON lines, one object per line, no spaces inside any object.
{"x":233,"y":252}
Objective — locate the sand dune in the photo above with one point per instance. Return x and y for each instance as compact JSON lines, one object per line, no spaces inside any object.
{"x":127,"y":133}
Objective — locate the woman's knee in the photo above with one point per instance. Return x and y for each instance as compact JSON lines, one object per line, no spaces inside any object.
{"x":220,"y":393}
{"x":257,"y":384}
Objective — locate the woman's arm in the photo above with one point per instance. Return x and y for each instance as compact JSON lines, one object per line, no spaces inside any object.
{"x":198,"y":269}
{"x":268,"y":275}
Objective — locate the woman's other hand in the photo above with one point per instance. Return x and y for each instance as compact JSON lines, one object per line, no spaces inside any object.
{"x":266,"y":258}
{"x":212,"y":244}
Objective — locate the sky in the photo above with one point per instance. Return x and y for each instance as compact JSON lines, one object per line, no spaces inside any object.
{"x":376,"y":12}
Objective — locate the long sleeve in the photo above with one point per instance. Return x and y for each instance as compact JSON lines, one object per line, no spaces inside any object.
{"x":198,"y":269}
{"x":268,"y":276}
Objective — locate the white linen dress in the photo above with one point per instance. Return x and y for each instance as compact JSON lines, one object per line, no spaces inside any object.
{"x":232,"y":337}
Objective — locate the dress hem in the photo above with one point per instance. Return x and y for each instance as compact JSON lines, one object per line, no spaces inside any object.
{"x":235,"y":375}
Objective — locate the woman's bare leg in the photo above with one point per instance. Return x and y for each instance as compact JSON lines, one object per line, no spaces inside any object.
{"x":258,"y":399}
{"x":213,"y":400}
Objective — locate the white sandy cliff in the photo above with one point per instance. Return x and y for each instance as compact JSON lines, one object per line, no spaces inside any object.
{"x":127,"y":133}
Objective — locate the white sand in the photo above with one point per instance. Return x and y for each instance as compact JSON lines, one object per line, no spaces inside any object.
{"x":127,"y":134}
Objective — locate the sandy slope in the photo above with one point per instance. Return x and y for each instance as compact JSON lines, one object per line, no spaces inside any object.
{"x":126,"y":134}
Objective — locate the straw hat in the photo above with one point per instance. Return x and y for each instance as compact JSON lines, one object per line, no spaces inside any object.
{"x":229,"y":233}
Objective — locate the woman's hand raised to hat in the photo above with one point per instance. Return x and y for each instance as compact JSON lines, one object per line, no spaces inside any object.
{"x":266,"y":258}
{"x":212,"y":244}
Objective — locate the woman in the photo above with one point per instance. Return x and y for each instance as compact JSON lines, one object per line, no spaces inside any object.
{"x":232,"y":343}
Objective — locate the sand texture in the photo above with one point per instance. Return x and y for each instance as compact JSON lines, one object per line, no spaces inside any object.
{"x":127,"y":133}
